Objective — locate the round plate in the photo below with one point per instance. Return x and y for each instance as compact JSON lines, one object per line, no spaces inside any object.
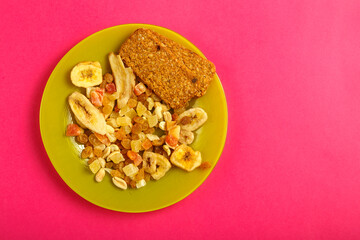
{"x":64,"y":152}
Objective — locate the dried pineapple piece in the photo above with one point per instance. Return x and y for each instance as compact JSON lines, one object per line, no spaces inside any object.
{"x":152,"y":120}
{"x":136,"y":145}
{"x":123,"y":121}
{"x":140,"y":109}
{"x":95,"y":166}
{"x":130,"y":170}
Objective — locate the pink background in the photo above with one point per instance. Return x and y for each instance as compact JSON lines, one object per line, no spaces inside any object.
{"x":291,"y":164}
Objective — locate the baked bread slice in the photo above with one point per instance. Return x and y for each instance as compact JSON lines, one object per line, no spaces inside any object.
{"x":172,"y":71}
{"x":203,"y":69}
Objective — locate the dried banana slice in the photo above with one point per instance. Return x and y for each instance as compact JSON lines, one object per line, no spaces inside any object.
{"x":186,"y":158}
{"x":186,"y":137}
{"x":192,"y":119}
{"x":155,"y":164}
{"x":86,"y":74}
{"x":86,"y":113}
{"x":124,"y":79}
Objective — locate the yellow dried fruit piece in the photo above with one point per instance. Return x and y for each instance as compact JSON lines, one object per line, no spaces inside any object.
{"x":123,"y":121}
{"x":114,"y":96}
{"x":152,"y":137}
{"x":87,"y":152}
{"x":114,"y":115}
{"x":167,"y":116}
{"x":140,"y":183}
{"x":115,"y":173}
{"x":152,"y":120}
{"x":124,"y":110}
{"x":136,"y":145}
{"x":98,"y":152}
{"x":142,"y":136}
{"x":110,"y":129}
{"x":140,"y":109}
{"x":131,"y":113}
{"x":158,"y":112}
{"x":151,"y":103}
{"x":111,"y":137}
{"x":95,"y":166}
{"x":112,"y":122}
{"x":127,"y":129}
{"x":130,"y":170}
{"x":116,"y":157}
{"x":107,"y":109}
{"x":132,"y":103}
{"x":162,"y":125}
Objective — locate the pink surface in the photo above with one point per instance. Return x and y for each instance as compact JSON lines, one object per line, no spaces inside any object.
{"x":290,"y":168}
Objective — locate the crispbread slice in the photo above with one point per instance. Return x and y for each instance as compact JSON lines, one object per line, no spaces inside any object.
{"x":173,"y":72}
{"x":203,"y":69}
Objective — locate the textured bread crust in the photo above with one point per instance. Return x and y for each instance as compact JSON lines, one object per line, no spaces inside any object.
{"x":172,"y":71}
{"x":203,"y":69}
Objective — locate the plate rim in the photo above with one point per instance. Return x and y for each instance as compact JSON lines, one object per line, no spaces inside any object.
{"x":196,"y":186}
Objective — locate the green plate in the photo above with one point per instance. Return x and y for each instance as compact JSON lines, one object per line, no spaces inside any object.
{"x":64,"y":152}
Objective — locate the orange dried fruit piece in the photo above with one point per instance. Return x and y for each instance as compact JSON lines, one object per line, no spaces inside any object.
{"x":148,"y":92}
{"x":91,"y":160}
{"x":94,"y":140}
{"x":82,"y":138}
{"x":135,"y":137}
{"x":174,"y":116}
{"x":132,"y":103}
{"x":98,"y":152}
{"x":205,"y":165}
{"x":149,"y":130}
{"x":120,"y":134}
{"x":108,"y":77}
{"x":142,"y":98}
{"x":103,"y":139}
{"x":135,"y":157}
{"x":116,"y":166}
{"x":133,"y":184}
{"x":107,"y":109}
{"x":127,"y":179}
{"x":175,"y":132}
{"x":170,"y":125}
{"x":147,"y":177}
{"x":116,"y":173}
{"x":126,"y":143}
{"x":144,"y":126}
{"x":109,"y":164}
{"x":86,"y":152}
{"x":139,"y":89}
{"x":138,"y":119}
{"x":136,"y":128}
{"x":102,"y":84}
{"x":96,"y":97}
{"x":124,"y":152}
{"x":110,"y":88}
{"x":121,"y":165}
{"x":73,"y":130}
{"x":106,"y":100}
{"x":146,"y":144}
{"x":140,"y":175}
